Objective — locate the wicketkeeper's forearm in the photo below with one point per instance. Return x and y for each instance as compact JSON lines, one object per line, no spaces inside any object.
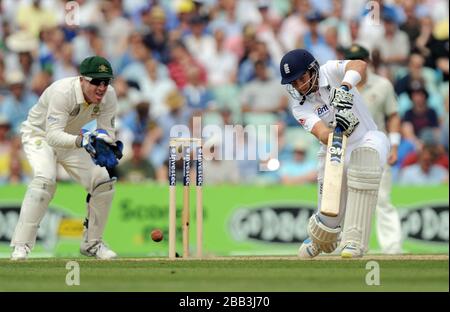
{"x":61,"y":139}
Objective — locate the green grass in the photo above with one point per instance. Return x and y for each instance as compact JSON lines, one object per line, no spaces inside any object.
{"x":223,"y":275}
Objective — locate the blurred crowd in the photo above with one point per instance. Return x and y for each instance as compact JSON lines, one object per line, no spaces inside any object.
{"x":218,"y":60}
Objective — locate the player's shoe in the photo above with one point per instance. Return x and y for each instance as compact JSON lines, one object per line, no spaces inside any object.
{"x":351,"y":251}
{"x":98,"y":250}
{"x":308,"y":249}
{"x":20,"y":252}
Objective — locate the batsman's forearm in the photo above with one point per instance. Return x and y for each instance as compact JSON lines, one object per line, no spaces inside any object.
{"x":352,"y":69}
{"x":321,"y":132}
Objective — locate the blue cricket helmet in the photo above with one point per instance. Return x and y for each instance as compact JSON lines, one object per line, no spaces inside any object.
{"x":294,"y":64}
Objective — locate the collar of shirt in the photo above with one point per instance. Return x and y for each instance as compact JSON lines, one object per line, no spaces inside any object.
{"x":323,"y":81}
{"x":79,"y":92}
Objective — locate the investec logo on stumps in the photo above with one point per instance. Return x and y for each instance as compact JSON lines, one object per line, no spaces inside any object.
{"x":199,"y":153}
{"x":187,"y":166}
{"x":172,"y":168}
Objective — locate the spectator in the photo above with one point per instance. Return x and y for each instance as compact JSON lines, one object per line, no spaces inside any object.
{"x":444,"y":128}
{"x":341,"y":25}
{"x":135,"y":59}
{"x":222,"y":66}
{"x":433,"y":45}
{"x":411,"y":26}
{"x":198,"y":96}
{"x":17,"y":104}
{"x":32,"y":17}
{"x":137,"y":169}
{"x":158,"y":137}
{"x":64,"y":66}
{"x":157,"y":39}
{"x":200,"y":43}
{"x":5,"y":149}
{"x":314,"y":42}
{"x":87,"y":42}
{"x":127,"y":95}
{"x":420,"y":117}
{"x":115,"y":30}
{"x":268,"y":29}
{"x":294,"y":27}
{"x":218,"y":170}
{"x":22,"y":46}
{"x":138,"y":120}
{"x":371,"y":31}
{"x":417,"y":73}
{"x":425,"y":172}
{"x":3,"y":84}
{"x":156,"y":85}
{"x":264,"y":94}
{"x":298,"y":170}
{"x":181,"y":61}
{"x":258,"y":52}
{"x":40,"y":82}
{"x":394,"y":45}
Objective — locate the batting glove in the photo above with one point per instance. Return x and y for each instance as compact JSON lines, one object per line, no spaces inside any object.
{"x":347,"y":121}
{"x":341,"y":99}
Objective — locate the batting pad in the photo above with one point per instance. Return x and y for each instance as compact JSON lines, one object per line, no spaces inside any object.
{"x":363,"y":181}
{"x":322,"y":235}
{"x":99,"y":206}
{"x":34,"y":206}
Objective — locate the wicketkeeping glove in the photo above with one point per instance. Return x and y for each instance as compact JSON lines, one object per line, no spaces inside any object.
{"x":103,"y":150}
{"x":85,"y":140}
{"x":341,"y":99}
{"x":106,"y":154}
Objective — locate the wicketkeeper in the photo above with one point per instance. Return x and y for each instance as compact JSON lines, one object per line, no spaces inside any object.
{"x":52,"y":134}
{"x":327,"y":97}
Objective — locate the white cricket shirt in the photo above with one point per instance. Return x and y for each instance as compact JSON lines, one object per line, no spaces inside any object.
{"x":316,"y":107}
{"x":62,"y":111}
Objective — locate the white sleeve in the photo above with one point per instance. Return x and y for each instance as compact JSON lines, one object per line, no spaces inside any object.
{"x":106,"y":120}
{"x":335,"y":70}
{"x":57,"y":116}
{"x":307,"y":119}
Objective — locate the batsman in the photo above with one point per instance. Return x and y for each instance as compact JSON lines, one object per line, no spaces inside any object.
{"x":327,"y":101}
{"x":53,"y":134}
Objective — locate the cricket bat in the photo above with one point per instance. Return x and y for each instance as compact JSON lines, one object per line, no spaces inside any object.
{"x":334,"y":170}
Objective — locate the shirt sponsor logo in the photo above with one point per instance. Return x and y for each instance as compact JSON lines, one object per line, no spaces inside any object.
{"x":323,"y":110}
